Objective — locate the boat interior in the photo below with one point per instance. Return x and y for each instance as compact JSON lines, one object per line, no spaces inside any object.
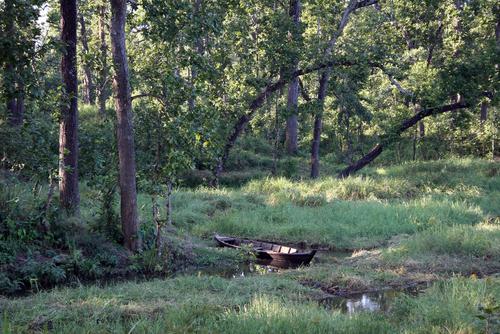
{"x":265,"y":246}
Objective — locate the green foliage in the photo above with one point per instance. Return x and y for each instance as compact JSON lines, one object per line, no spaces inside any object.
{"x":39,"y":248}
{"x":32,"y":149}
{"x":219,"y":257}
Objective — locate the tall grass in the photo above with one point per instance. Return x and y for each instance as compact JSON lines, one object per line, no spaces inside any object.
{"x":478,"y":241}
{"x":261,"y":304}
{"x":357,"y":212}
{"x":452,"y":306}
{"x":363,"y":211}
{"x":341,"y":224}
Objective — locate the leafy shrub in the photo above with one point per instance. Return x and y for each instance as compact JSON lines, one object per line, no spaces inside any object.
{"x":288,"y":167}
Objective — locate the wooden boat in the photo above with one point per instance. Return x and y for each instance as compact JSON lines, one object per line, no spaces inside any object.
{"x":280,"y":255}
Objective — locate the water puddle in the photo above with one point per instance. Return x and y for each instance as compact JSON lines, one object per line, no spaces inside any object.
{"x":375,"y":301}
{"x":372,"y":301}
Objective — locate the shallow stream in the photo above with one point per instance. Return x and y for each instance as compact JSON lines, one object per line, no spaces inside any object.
{"x":374,"y":301}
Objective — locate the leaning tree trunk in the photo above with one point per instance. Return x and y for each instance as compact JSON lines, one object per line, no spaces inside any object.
{"x":88,"y":82}
{"x":123,"y":105}
{"x":256,"y":103}
{"x":293,"y":91}
{"x":408,"y":123}
{"x":68,"y":124}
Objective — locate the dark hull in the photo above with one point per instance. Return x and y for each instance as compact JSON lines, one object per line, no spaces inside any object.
{"x":280,"y":256}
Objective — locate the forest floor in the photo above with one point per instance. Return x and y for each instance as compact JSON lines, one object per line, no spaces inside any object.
{"x":431,"y":225}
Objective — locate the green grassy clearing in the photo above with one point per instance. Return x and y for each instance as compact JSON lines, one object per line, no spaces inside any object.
{"x":360,"y":212}
{"x":419,"y":222}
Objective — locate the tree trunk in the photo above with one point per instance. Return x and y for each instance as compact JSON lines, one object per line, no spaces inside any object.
{"x":348,"y":137}
{"x":256,"y":103}
{"x":315,"y":146}
{"x":421,"y":130}
{"x":158,"y":226}
{"x":10,"y":78}
{"x":414,"y":146}
{"x":68,"y":124}
{"x":199,"y":49}
{"x":19,"y":113}
{"x":323,"y":82}
{"x":274,"y":169}
{"x":291,"y":140}
{"x":484,"y":112}
{"x":406,"y":124}
{"x":169,"y":203}
{"x":293,"y":92}
{"x":125,"y":132}
{"x":12,"y":110}
{"x":88,"y":83}
{"x":103,"y":91}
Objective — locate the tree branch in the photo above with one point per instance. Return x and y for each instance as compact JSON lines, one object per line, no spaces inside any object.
{"x":258,"y":101}
{"x":406,"y":124}
{"x":393,"y":81}
{"x":272,"y":87}
{"x":398,"y":86}
{"x":303,"y":91}
{"x":158,"y":97}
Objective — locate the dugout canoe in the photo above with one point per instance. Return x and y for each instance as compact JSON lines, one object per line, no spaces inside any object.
{"x":279,"y":254}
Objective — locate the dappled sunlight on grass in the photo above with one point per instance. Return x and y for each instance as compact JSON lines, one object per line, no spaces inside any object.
{"x":428,"y":222}
{"x":264,"y":306}
{"x":452,"y":305}
{"x":271,"y":315}
{"x":89,"y":305}
{"x":363,"y":211}
{"x":480,"y":240}
{"x":341,"y":224}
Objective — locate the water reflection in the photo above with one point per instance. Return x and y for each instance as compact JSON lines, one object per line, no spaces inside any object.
{"x":371,"y":302}
{"x":240,"y":270}
{"x":381,"y":300}
{"x":364,"y":304}
{"x":263,"y":266}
